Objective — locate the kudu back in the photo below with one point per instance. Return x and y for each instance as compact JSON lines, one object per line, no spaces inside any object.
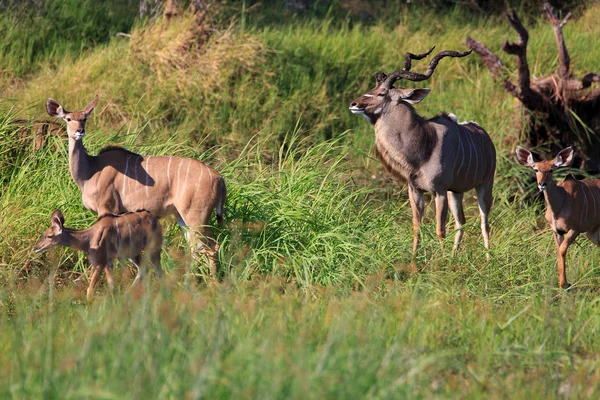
{"x":572,"y":206}
{"x":136,"y":236}
{"x":439,"y":155}
{"x":117,"y":180}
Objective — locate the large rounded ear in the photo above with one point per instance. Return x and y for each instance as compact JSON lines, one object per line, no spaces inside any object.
{"x":380,"y":77}
{"x":564,"y":158}
{"x":58,"y":221}
{"x":413,"y":96}
{"x":524,"y":157}
{"x":88,"y":109}
{"x":55,"y":109}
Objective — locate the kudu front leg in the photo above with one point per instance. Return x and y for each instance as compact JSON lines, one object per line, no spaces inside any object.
{"x":562,"y":255}
{"x":94,"y":281}
{"x":109,"y":278}
{"x":417,"y":206}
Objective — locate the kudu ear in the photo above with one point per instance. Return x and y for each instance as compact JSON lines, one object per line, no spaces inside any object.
{"x":524,"y":157}
{"x":58,"y":220}
{"x":90,"y":107}
{"x":380,"y":77}
{"x":414,"y":96}
{"x":54,"y":109}
{"x":564,"y":158}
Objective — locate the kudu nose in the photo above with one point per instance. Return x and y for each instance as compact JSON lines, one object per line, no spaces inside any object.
{"x":542,"y":187}
{"x":353,"y":104}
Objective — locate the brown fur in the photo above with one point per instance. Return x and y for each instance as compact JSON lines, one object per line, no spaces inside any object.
{"x":572,"y":206}
{"x":117,"y":180}
{"x":112,"y":237}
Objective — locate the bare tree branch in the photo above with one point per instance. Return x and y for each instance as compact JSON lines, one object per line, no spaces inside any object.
{"x":489,"y":58}
{"x":563,"y":54}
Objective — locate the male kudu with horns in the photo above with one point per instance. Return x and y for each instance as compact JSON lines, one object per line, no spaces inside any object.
{"x":440,"y":155}
{"x":117,"y":181}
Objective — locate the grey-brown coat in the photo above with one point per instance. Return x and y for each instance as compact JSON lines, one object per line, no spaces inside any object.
{"x":110,"y":238}
{"x":441,"y":155}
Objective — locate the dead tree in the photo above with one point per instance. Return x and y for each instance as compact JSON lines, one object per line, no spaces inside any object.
{"x":558,"y":112}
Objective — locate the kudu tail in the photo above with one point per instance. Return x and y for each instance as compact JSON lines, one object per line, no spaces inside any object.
{"x":221,"y":197}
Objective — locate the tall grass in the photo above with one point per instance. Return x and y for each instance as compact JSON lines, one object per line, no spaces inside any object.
{"x":319,"y":298}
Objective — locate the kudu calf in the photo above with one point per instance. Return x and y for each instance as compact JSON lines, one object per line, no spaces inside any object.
{"x":112,"y":237}
{"x":440,"y":155}
{"x":572,"y":206}
{"x":116,"y":181}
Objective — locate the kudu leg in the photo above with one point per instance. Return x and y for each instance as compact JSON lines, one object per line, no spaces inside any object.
{"x":154,"y":259}
{"x":594,"y":237}
{"x":206,"y":244}
{"x":200,"y":238}
{"x":484,"y":201}
{"x":441,"y":213}
{"x":562,"y":255}
{"x":109,"y":278}
{"x":456,"y":206}
{"x":417,"y":205}
{"x":137,"y":261}
{"x":94,"y":281}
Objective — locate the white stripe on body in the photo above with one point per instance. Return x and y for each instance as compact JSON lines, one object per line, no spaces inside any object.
{"x":125,"y":174}
{"x":179,"y":173}
{"x":476,"y":155}
{"x":169,"y":172}
{"x":462,"y":149}
{"x":187,"y":171}
{"x":585,"y":202}
{"x":137,"y":162}
{"x":147,"y":174}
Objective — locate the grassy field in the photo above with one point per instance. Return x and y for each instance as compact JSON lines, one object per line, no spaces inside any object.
{"x":319,"y":298}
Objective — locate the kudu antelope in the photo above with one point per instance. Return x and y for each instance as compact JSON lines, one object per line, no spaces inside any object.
{"x":112,"y":237}
{"x":440,"y":155}
{"x":572,"y":206}
{"x":117,"y":180}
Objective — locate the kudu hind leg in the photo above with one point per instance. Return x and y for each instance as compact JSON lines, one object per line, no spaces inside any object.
{"x":594,"y":237}
{"x":201,"y":241}
{"x":484,"y":201}
{"x":456,"y":206}
{"x":441,"y":213}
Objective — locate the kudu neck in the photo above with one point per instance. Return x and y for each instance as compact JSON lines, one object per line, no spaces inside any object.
{"x":77,"y":240}
{"x":79,"y":161}
{"x":403,"y":119}
{"x":554,"y":196}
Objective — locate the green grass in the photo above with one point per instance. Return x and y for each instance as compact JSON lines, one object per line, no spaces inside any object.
{"x":319,"y":298}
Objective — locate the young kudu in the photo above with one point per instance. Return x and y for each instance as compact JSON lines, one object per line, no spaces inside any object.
{"x":116,"y":181}
{"x":572,"y":206}
{"x":440,"y":155}
{"x":112,"y":237}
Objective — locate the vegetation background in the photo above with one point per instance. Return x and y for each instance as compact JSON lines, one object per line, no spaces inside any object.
{"x":319,"y":299}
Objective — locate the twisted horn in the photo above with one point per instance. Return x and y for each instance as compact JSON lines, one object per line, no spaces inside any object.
{"x":416,"y":77}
